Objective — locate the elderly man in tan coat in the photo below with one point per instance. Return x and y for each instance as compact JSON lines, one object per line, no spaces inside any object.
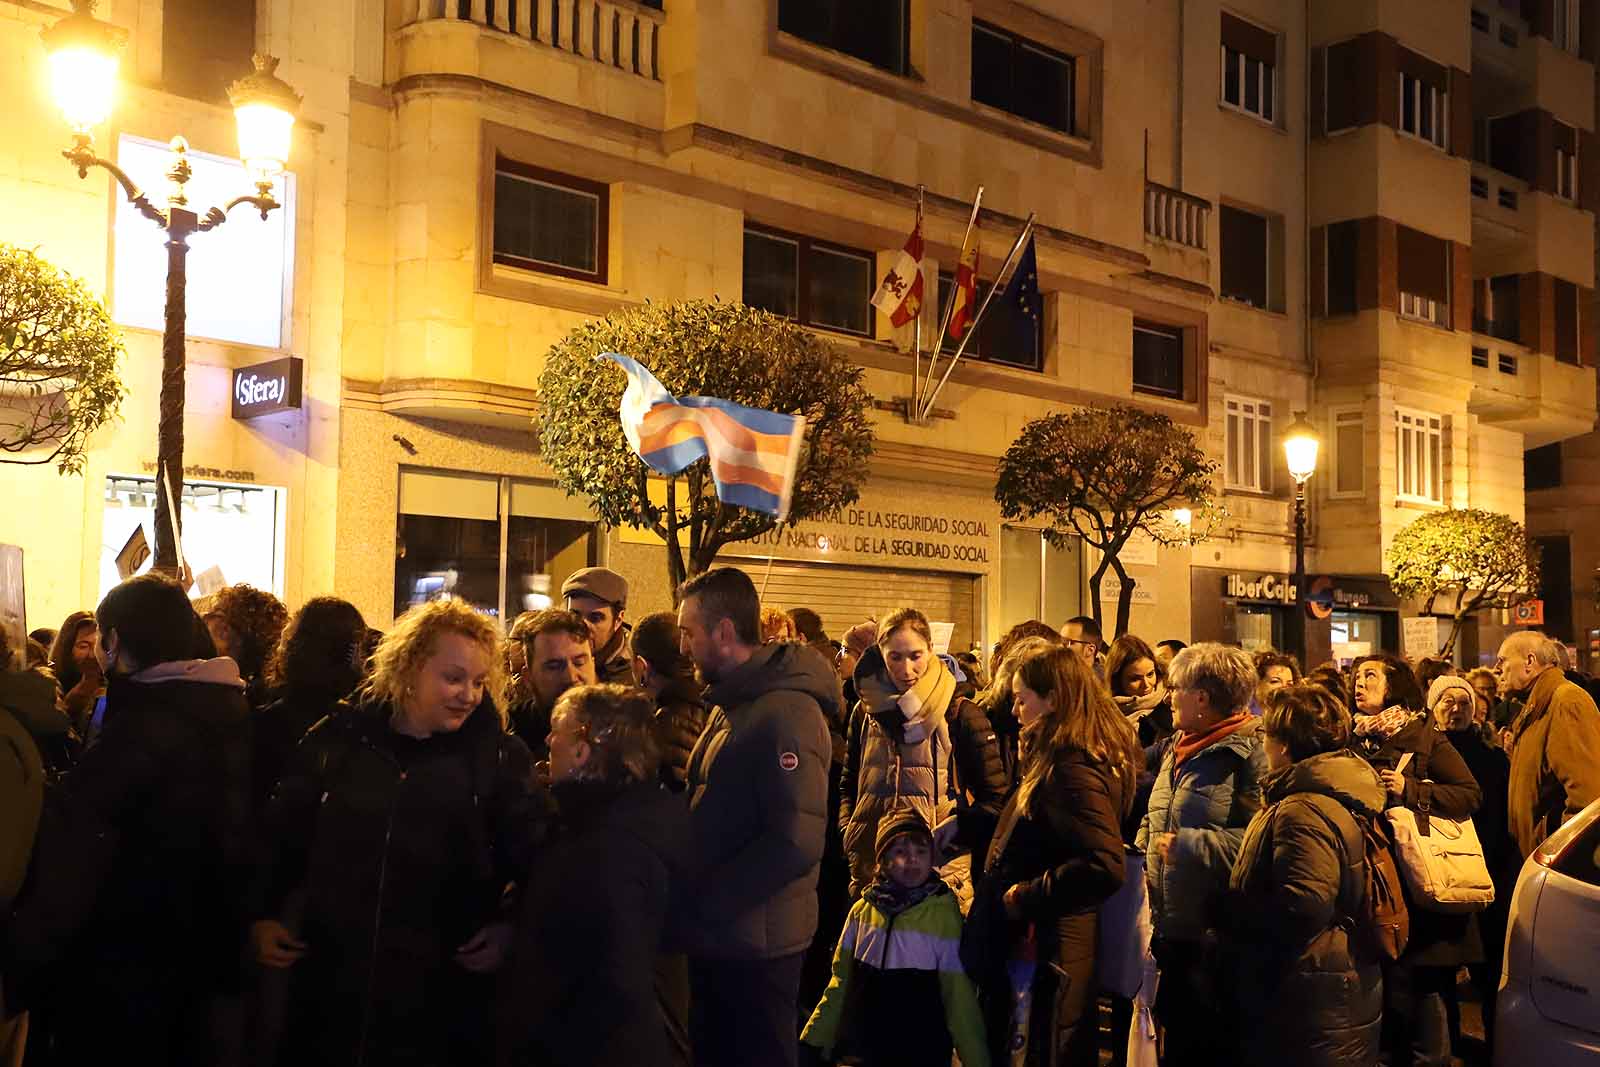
{"x":1555,"y":754}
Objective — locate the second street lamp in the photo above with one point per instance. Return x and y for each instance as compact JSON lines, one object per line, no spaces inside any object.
{"x":1300,"y":446}
{"x":84,"y":55}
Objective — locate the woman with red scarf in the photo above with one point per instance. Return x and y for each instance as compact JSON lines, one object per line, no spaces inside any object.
{"x":1390,"y":724}
{"x":1207,"y":789}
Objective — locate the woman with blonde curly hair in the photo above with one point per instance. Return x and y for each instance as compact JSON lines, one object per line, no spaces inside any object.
{"x":1057,"y":854}
{"x":400,"y":820}
{"x":599,"y":894}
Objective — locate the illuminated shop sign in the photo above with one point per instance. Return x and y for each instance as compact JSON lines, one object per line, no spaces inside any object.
{"x":267,"y":388}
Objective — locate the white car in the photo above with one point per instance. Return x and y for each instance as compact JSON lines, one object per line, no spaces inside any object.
{"x":1548,"y":1014}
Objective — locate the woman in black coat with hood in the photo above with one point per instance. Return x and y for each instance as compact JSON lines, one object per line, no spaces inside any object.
{"x":400,"y":822}
{"x":585,"y":982}
{"x":1390,"y":724}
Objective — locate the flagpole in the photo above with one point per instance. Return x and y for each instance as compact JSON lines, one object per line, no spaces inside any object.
{"x":999,"y":281}
{"x":916,"y":330}
{"x":950,"y":307}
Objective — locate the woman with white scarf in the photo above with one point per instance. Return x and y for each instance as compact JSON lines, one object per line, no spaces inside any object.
{"x":915,"y":744}
{"x":1139,"y":687}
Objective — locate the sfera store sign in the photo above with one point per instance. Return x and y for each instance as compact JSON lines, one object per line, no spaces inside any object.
{"x":267,"y":388}
{"x":1273,"y":587}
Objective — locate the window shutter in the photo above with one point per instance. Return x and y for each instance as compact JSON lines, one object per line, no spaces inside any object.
{"x":1566,"y":302}
{"x":1461,"y":286}
{"x":1422,"y":68}
{"x":1589,"y":171}
{"x":1319,"y":92}
{"x":1540,"y":16}
{"x":1319,"y":271}
{"x":1344,"y":252}
{"x":1423,"y":264}
{"x":1352,"y":83}
{"x":1460,"y":104}
{"x":1244,"y":255}
{"x":1249,"y":39}
{"x":1586,"y":332}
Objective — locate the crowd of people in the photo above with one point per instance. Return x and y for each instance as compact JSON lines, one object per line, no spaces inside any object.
{"x":717,"y":836}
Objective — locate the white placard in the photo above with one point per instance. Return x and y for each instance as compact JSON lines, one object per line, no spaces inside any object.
{"x":942,"y":632}
{"x":1420,"y":636}
{"x":1139,"y":551}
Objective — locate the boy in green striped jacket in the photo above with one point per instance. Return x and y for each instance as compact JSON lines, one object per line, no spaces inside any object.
{"x":898,"y":957}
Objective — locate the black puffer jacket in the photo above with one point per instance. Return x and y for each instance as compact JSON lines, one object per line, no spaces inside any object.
{"x":579,"y":989}
{"x":401,"y":848}
{"x":758,"y":784}
{"x":680,"y":718}
{"x":278,"y":729}
{"x":135,"y":903}
{"x":1306,"y":999}
{"x":1436,"y":777}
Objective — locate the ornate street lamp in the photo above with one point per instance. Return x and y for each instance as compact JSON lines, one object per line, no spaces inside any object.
{"x":84,"y":56}
{"x":1300,"y":445}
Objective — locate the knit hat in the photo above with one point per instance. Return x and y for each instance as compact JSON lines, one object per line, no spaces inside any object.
{"x":892,"y":826}
{"x":1446,"y":682}
{"x":861,"y":637}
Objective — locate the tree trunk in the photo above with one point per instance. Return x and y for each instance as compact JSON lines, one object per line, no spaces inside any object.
{"x":1124,"y":597}
{"x":1095,"y":611}
{"x":1449,"y":650}
{"x":675,"y":569}
{"x":169,"y":430}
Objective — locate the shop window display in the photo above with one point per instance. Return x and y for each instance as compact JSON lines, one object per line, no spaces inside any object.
{"x":231,"y":533}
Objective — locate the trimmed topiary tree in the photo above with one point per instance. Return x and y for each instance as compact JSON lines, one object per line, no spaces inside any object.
{"x":1482,"y":557}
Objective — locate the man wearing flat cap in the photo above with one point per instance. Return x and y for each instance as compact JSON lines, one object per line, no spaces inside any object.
{"x":600,"y":596}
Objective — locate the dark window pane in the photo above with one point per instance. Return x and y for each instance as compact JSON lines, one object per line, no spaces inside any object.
{"x":991,"y":67}
{"x":459,"y":557}
{"x":840,"y":290}
{"x":1566,"y":322}
{"x":1408,"y":104}
{"x":1252,"y":84}
{"x":991,"y":343}
{"x":1044,"y":87}
{"x":870,"y":30}
{"x":1505,"y":313}
{"x":1343,"y":250}
{"x":1269,"y":91}
{"x":772,"y":274}
{"x":1230,"y":75}
{"x":1157,"y":359}
{"x":1244,"y":256}
{"x":546,"y":224}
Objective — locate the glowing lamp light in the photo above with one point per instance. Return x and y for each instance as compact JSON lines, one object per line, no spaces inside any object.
{"x":1183,"y":517}
{"x":84,"y":55}
{"x":1300,"y":444}
{"x":264,"y":106}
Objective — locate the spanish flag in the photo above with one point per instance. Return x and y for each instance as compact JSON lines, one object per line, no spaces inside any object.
{"x":754,"y":453}
{"x":966,"y":294}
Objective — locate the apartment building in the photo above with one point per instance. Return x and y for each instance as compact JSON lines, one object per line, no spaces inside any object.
{"x":1245,"y":210}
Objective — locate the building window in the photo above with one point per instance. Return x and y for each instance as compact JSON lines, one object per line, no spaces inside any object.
{"x":1508,"y":364}
{"x":1343,"y":244}
{"x":548,"y":222}
{"x":1541,"y":467}
{"x":1504,"y":310}
{"x":1564,"y":31}
{"x":1250,"y":270}
{"x":1029,"y":80}
{"x":809,"y":281}
{"x":1479,"y":187}
{"x":874,"y":31}
{"x":1249,"y":444}
{"x":462,"y":533}
{"x":1507,"y":198}
{"x":1419,"y":456}
{"x":1349,"y":453}
{"x":1480,"y":356}
{"x":994,"y":343}
{"x":1249,"y":68}
{"x":1039,"y":580}
{"x":1424,"y":110}
{"x":1566,"y":161}
{"x":1157,"y":359}
{"x":1480,"y":20}
{"x":231,"y":533}
{"x":239,"y":278}
{"x":1566,"y":301}
{"x":1424,"y":276}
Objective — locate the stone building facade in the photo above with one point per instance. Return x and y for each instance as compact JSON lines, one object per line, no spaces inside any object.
{"x":1244,"y":211}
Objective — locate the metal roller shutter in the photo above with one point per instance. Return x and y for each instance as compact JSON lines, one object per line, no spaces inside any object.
{"x":845,"y":595}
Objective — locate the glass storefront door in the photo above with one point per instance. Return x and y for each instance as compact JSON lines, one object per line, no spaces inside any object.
{"x":1257,"y":628}
{"x":1356,"y":633}
{"x":501,"y":544}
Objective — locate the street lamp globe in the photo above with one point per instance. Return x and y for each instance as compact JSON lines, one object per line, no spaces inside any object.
{"x":264,"y":107}
{"x":1300,"y":444}
{"x":84,"y":54}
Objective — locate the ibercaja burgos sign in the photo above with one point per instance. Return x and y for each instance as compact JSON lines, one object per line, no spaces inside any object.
{"x":267,"y":388}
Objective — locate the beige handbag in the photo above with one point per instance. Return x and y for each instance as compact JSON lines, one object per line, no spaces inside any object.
{"x":1440,"y":859}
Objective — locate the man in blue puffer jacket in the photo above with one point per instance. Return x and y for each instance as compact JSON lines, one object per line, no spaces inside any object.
{"x":1207,"y":788}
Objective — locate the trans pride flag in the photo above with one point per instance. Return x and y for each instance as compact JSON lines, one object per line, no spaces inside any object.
{"x":753,"y":453}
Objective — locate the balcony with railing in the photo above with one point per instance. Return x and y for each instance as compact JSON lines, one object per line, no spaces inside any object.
{"x":623,"y":35}
{"x":1173,"y":215}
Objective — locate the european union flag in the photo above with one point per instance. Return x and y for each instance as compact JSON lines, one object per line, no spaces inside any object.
{"x":1017,"y":316}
